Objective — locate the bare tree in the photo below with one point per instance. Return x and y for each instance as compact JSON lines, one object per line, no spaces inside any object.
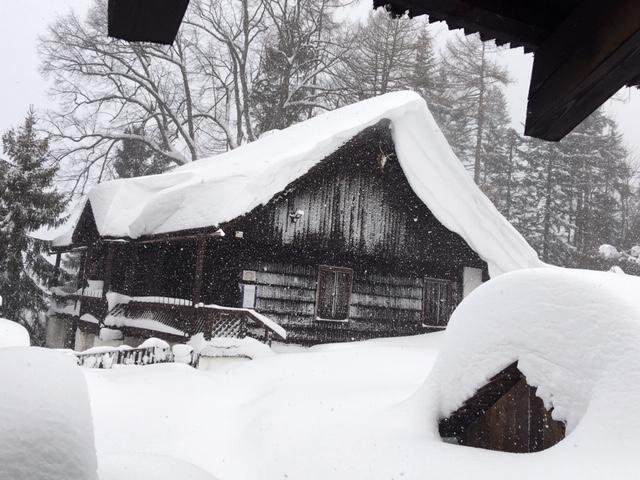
{"x":381,"y":59}
{"x":108,"y":88}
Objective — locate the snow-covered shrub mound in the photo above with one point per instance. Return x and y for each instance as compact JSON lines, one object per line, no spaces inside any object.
{"x":13,"y":334}
{"x":575,"y":336}
{"x":161,"y":349}
{"x":46,"y":430}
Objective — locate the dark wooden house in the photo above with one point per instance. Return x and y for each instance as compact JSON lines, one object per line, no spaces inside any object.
{"x":327,"y":231}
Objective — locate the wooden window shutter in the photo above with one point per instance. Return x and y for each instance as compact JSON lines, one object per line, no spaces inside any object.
{"x":333,"y":296}
{"x":439,"y":299}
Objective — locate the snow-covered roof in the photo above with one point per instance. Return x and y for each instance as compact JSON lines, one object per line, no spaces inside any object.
{"x":212,"y":191}
{"x":575,"y":336}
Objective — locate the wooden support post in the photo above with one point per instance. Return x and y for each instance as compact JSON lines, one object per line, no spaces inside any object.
{"x":108,"y":270}
{"x":197,"y":277}
{"x":108,"y":273}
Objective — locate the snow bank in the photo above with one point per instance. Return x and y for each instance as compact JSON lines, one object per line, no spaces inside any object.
{"x":140,"y":466}
{"x":575,"y":336}
{"x":12,"y":334}
{"x":212,"y":191}
{"x":229,"y":347}
{"x":45,"y":421}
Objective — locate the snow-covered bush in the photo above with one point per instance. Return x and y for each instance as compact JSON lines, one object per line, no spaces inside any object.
{"x":161,"y":349}
{"x":46,"y":432}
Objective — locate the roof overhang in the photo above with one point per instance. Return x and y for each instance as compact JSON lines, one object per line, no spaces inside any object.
{"x":154,"y":21}
{"x":584,"y":50}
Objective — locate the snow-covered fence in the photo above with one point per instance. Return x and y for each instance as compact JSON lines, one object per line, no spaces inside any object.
{"x":107,"y":357}
{"x":152,"y":350}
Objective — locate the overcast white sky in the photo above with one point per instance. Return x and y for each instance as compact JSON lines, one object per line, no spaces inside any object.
{"x":21,"y":85}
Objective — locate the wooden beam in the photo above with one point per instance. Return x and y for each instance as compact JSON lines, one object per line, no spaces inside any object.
{"x":588,"y":58}
{"x":197,"y":277}
{"x":154,"y":21}
{"x":519,"y":23}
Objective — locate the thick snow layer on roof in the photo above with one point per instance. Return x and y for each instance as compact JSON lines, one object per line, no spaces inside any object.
{"x":46,"y":432}
{"x":211,"y":191}
{"x":12,"y":334}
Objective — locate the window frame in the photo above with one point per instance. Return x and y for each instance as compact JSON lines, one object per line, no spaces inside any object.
{"x":335,"y":271}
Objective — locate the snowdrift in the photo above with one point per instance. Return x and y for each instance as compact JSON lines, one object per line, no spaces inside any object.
{"x":46,"y":431}
{"x":575,"y":336}
{"x":209,"y":192}
{"x":12,"y":334}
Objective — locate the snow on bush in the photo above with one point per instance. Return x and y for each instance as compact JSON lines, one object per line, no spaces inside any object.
{"x":608,"y":251}
{"x":46,"y":430}
{"x":161,"y":349}
{"x":13,"y":334}
{"x":575,"y":336}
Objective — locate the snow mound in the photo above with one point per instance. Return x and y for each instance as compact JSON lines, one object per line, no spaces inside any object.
{"x":12,"y":334}
{"x":575,"y":336}
{"x":46,"y":430}
{"x":212,"y":191}
{"x":229,"y":347}
{"x":141,"y":466}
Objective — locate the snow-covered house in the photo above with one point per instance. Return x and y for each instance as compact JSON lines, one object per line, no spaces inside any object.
{"x":357,"y":223}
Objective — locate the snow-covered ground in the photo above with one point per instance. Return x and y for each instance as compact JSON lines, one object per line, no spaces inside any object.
{"x":348,"y":411}
{"x":370,"y":409}
{"x":323,"y":412}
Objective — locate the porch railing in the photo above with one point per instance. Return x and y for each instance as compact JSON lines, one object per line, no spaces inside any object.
{"x":107,"y":358}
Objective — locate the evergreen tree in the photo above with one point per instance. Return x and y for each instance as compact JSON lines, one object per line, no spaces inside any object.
{"x":134,"y":158}
{"x":28,"y":201}
{"x":573,"y":193}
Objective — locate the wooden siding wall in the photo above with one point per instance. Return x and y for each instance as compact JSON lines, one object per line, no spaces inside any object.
{"x":381,"y":304}
{"x":357,"y":203}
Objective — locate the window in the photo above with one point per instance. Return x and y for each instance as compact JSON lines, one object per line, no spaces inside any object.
{"x":333,"y":294}
{"x":439,"y":298}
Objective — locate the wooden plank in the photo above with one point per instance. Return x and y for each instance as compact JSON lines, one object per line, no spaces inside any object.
{"x":280,"y":279}
{"x":590,"y":56}
{"x":270,"y":292}
{"x":386,"y":302}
